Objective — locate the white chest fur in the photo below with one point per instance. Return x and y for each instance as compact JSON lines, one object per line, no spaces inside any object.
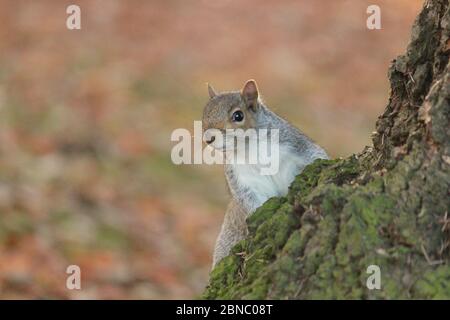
{"x":263,"y":187}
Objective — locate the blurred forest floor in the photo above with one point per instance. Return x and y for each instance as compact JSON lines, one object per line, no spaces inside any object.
{"x":86,"y":118}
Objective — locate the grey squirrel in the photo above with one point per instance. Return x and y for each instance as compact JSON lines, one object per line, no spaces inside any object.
{"x":249,"y":189}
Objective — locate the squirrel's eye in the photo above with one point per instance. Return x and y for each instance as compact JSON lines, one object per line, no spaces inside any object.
{"x":237,"y":116}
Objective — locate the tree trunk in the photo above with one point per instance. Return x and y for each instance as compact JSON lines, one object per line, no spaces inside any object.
{"x":386,"y":206}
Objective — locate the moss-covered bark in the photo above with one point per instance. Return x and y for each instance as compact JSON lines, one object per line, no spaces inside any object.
{"x":387,"y":206}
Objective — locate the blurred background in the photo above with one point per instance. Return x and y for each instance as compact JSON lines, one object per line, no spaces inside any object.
{"x":86,"y":117}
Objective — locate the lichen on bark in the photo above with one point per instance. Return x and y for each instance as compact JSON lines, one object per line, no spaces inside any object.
{"x":386,"y":206}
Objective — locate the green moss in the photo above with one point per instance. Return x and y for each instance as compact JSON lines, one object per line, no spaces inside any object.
{"x":323,"y":250}
{"x":263,"y":213}
{"x":223,"y":278}
{"x":309,"y":178}
{"x":341,"y":171}
{"x":435,"y":283}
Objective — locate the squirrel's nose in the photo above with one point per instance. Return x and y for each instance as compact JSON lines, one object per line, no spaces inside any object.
{"x":211,"y":140}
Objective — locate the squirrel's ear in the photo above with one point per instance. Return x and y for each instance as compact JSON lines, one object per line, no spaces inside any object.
{"x":250,"y":93}
{"x":212,"y":93}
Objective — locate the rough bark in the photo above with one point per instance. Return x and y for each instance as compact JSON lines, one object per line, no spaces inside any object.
{"x":386,"y":206}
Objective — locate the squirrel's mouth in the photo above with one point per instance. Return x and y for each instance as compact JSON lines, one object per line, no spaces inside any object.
{"x":234,"y":141}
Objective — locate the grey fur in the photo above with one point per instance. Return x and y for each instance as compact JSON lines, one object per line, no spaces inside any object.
{"x":245,"y":199}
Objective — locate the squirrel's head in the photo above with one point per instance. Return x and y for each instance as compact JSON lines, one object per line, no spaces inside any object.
{"x":230,"y":110}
